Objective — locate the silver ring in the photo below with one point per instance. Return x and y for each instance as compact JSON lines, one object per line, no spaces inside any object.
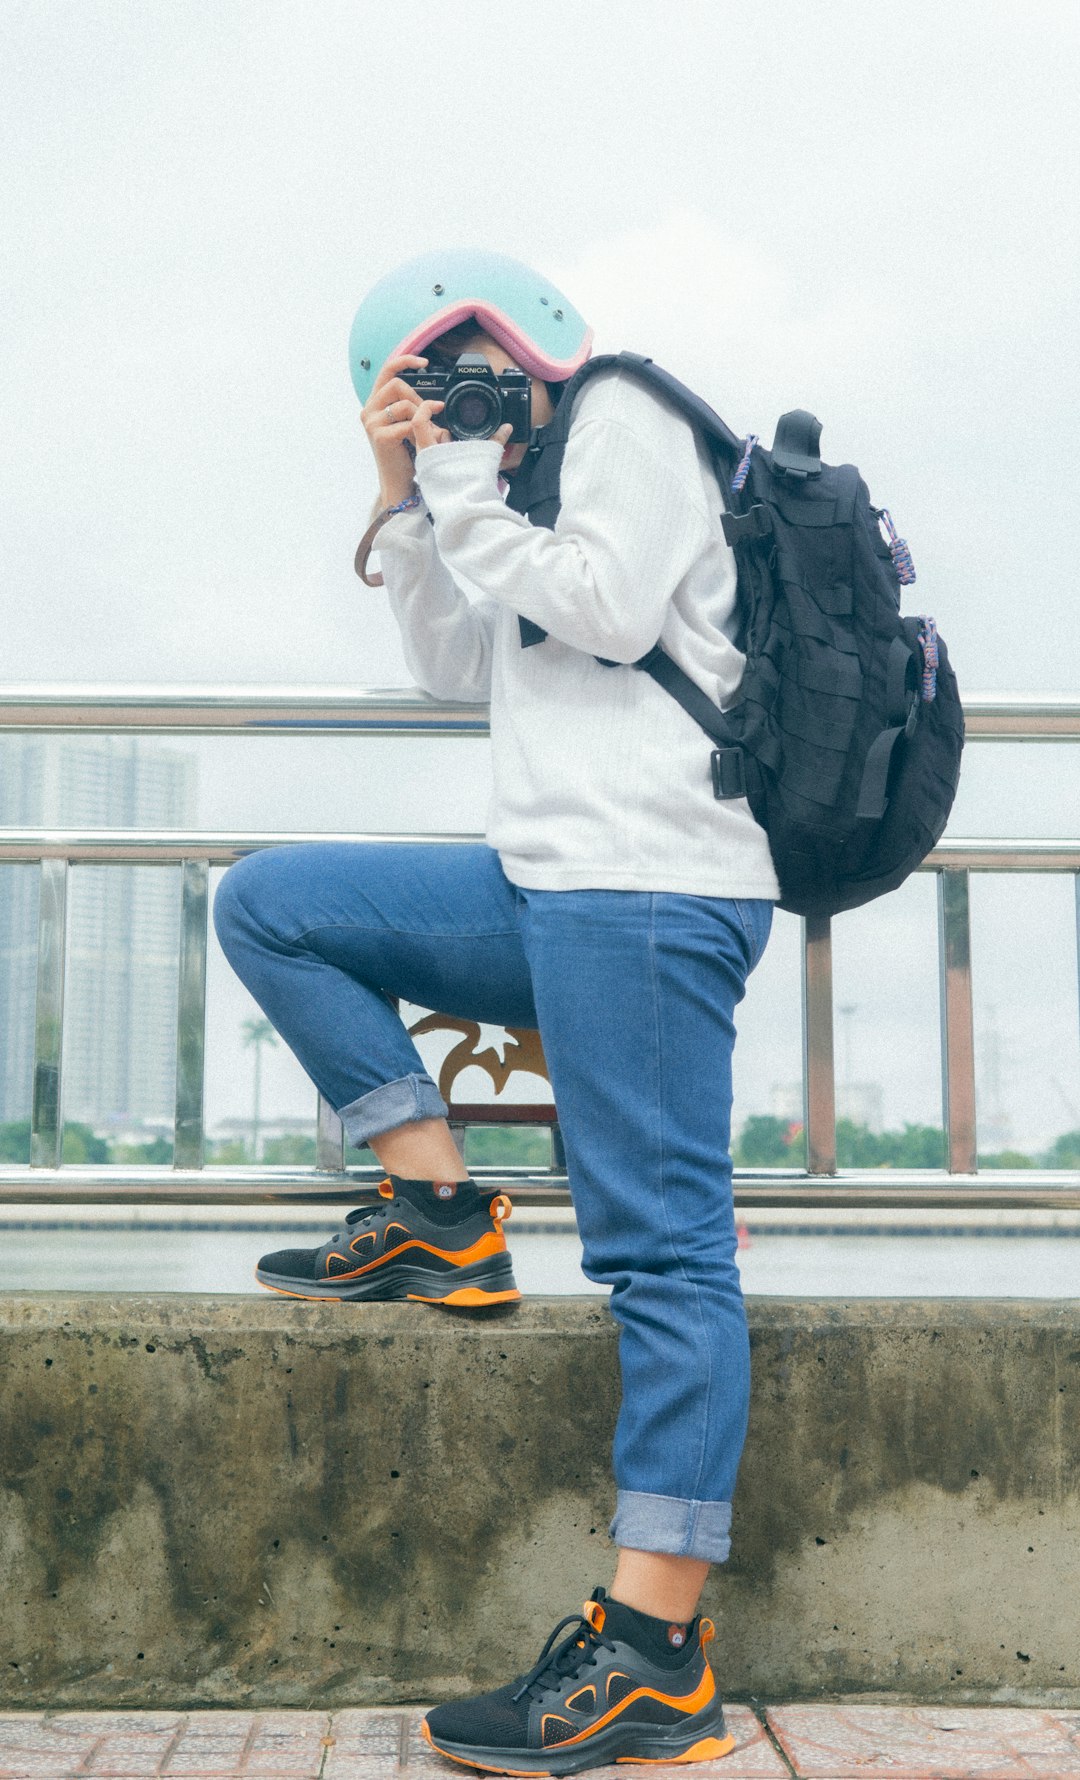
{"x":390,"y":409}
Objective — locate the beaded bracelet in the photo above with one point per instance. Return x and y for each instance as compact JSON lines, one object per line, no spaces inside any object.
{"x":363,"y":549}
{"x":403,"y":506}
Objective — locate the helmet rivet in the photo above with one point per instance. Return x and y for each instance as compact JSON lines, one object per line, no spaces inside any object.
{"x":365,"y":364}
{"x":557,"y":314}
{"x":437,"y":290}
{"x":544,"y":300}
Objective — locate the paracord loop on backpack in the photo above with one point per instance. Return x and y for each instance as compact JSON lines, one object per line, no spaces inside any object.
{"x":928,"y":639}
{"x":743,"y":469}
{"x":898,"y":550}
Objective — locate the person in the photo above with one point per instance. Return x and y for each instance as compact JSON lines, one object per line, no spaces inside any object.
{"x":616,"y":906}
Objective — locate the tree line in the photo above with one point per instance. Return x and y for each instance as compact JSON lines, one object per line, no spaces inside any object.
{"x":767,"y":1142}
{"x":763,"y":1142}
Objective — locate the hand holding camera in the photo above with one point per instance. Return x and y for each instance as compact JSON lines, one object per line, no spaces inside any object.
{"x":472,"y":401}
{"x":388,"y":418}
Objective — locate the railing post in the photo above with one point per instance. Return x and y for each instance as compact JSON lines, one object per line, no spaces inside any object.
{"x":1076,"y":887}
{"x":191,"y":1014}
{"x":957,"y":1021}
{"x":819,"y":1081}
{"x":47,"y":1125}
{"x":329,"y":1140}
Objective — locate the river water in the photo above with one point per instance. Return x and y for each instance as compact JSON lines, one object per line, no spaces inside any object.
{"x":70,"y":1258}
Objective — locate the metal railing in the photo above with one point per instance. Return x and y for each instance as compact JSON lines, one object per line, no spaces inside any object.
{"x":231,"y":710}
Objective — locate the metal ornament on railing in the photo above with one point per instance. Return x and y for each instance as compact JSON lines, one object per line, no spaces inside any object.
{"x":526,"y":1052}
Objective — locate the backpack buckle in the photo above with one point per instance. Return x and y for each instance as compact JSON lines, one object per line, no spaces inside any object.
{"x":728,"y":773}
{"x":757,"y":523}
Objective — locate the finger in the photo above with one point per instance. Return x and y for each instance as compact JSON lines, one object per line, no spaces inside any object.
{"x":392,"y":366}
{"x":392,"y":396}
{"x":394,"y":391}
{"x":502,"y":433}
{"x":422,"y":429}
{"x":398,"y":434}
{"x":384,"y":417}
{"x":378,"y":427}
{"x":425,"y":434}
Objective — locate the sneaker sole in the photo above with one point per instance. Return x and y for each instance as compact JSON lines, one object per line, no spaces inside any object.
{"x":631,"y":1743}
{"x":469,"y":1288}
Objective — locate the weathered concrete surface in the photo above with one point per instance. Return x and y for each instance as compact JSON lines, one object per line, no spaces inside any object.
{"x":264,"y":1502}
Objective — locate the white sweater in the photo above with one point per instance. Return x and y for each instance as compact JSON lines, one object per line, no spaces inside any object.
{"x":601,"y":781}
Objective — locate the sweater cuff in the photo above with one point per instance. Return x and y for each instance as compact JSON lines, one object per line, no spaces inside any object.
{"x":461,"y":466}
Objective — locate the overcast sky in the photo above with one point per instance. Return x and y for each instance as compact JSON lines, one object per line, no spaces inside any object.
{"x":864,"y":209}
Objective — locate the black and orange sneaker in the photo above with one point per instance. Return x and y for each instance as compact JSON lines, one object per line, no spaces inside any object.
{"x":438,"y":1242}
{"x":621,"y":1686}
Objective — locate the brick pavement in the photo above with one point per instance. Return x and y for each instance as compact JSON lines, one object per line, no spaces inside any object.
{"x":818,"y":1742}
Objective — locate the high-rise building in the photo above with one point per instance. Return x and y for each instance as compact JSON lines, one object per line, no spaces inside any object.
{"x":121,"y":978}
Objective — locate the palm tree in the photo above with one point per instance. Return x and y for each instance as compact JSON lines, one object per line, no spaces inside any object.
{"x":257,"y":1033}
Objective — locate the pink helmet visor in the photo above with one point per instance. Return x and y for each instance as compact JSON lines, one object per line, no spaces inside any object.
{"x":498,"y":324}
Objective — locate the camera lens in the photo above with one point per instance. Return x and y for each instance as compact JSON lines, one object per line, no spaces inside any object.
{"x":472,"y":411}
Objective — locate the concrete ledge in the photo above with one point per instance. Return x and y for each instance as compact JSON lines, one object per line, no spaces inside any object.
{"x":260,"y":1502}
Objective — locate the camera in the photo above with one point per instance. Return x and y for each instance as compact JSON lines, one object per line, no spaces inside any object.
{"x":477,"y":399}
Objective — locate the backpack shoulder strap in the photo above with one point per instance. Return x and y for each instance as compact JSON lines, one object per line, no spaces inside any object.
{"x":534,"y":487}
{"x":690,"y":404}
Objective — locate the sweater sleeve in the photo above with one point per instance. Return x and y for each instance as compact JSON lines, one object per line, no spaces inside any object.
{"x":631,"y":524}
{"x":447,"y":638}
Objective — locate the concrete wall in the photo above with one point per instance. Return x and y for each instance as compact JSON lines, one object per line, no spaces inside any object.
{"x":259,"y":1501}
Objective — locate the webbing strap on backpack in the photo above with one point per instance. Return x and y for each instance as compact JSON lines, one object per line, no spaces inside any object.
{"x":734,"y":772}
{"x":903,"y":709}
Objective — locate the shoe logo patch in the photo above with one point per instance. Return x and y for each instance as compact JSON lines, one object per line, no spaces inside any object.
{"x":676,"y":1634}
{"x":445,"y":1189}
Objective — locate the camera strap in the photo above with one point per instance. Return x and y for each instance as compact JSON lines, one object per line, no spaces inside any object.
{"x":366,"y":544}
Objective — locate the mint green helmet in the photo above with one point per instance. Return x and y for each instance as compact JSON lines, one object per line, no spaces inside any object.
{"x":412,"y":305}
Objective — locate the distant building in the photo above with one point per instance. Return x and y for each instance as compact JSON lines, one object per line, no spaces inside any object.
{"x":18,"y":986}
{"x":121,"y":982}
{"x":237,"y":1128}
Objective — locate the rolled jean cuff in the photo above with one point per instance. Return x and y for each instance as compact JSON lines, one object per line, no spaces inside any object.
{"x":669,"y":1524}
{"x":395,"y":1103}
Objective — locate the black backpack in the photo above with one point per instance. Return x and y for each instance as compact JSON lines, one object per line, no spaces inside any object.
{"x":846,"y":731}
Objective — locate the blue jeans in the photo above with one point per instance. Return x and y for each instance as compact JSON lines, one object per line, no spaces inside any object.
{"x":634,"y":994}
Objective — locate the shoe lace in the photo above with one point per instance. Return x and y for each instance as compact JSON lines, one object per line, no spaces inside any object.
{"x":577,"y":1651}
{"x":362,"y":1213}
